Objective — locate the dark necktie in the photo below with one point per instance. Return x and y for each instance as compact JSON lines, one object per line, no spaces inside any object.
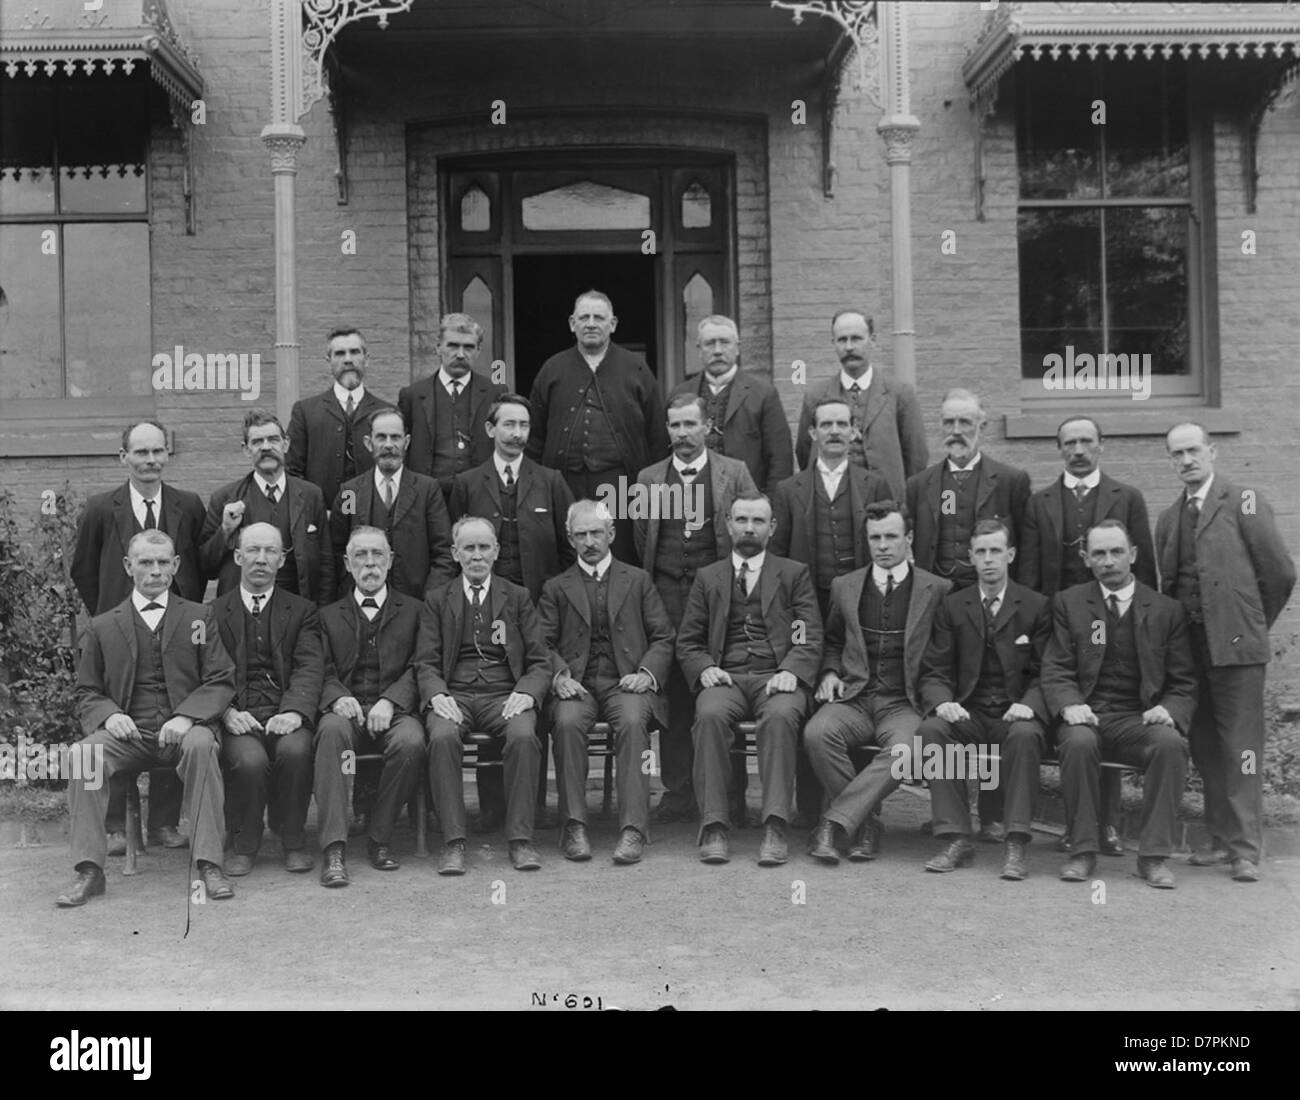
{"x":476,"y":597}
{"x":989,"y":613}
{"x":351,"y":406}
{"x":960,"y":476}
{"x":150,"y":520}
{"x":1080,"y":491}
{"x":855,"y":389}
{"x":455,"y":390}
{"x":258,"y":597}
{"x":388,"y":492}
{"x":369,"y":604}
{"x":742,"y":580}
{"x":687,"y":471}
{"x":510,"y":477}
{"x":152,"y":606}
{"x":1194,"y":505}
{"x":1112,"y":606}
{"x":270,"y":493}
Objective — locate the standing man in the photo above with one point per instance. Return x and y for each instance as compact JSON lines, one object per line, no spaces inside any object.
{"x":742,"y":410}
{"x":445,"y":411}
{"x":368,"y":704}
{"x":106,"y":527}
{"x":408,"y":507}
{"x":675,"y":542}
{"x":153,"y":680}
{"x":876,"y":636}
{"x":482,"y":665}
{"x":888,"y":433}
{"x":749,"y":645}
{"x":274,"y":638}
{"x":1119,"y":675}
{"x":598,"y":414}
{"x":613,"y":644}
{"x":979,"y":686}
{"x":267,"y":494}
{"x":325,"y":431}
{"x":1222,"y":558}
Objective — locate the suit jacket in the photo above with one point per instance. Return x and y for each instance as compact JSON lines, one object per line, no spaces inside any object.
{"x":794,"y":623}
{"x":1038,"y":563}
{"x":1075,"y":650}
{"x":950,"y":670}
{"x":641,"y":634}
{"x":632,"y":400}
{"x":893,"y":429}
{"x":421,"y":534}
{"x":542,"y":500}
{"x":199,"y":673}
{"x":317,"y":438}
{"x":754,"y":429}
{"x":846,"y":645}
{"x":416,"y":403}
{"x":729,"y":478}
{"x":1004,"y":491}
{"x":104,"y":532}
{"x":312,"y":553}
{"x":1246,"y":573}
{"x":794,"y":509}
{"x":399,"y":630}
{"x":296,"y":648}
{"x":439,"y":644}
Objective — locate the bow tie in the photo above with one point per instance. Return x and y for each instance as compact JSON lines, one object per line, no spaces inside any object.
{"x":151,"y":606}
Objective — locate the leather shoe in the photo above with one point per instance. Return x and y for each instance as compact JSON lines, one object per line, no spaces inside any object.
{"x":215,"y":883}
{"x":239,"y":865}
{"x":298,"y":860}
{"x":1211,"y":855}
{"x":867,"y":845}
{"x":670,"y":811}
{"x":774,"y":850}
{"x":956,"y":853}
{"x":335,"y":869}
{"x":1111,"y":844}
{"x":524,"y":856}
{"x":1244,"y":870}
{"x":1156,"y":872}
{"x":713,"y":846}
{"x":992,"y":833}
{"x":453,"y":858}
{"x":1013,"y":860}
{"x":117,"y":844}
{"x":630,"y":846}
{"x":169,"y":837}
{"x":823,"y":843}
{"x":88,"y":884}
{"x":1079,"y":868}
{"x":380,"y":858}
{"x":575,"y":844}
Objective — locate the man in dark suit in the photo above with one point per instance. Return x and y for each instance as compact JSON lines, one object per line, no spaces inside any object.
{"x":152,"y":682}
{"x":979,"y":687}
{"x":613,"y":646}
{"x":269,"y":495}
{"x":1119,"y":675}
{"x":445,"y":412}
{"x":876,"y":635}
{"x":888,"y":430}
{"x":274,"y":638}
{"x":482,"y":665}
{"x":743,"y":411}
{"x":325,"y":431}
{"x":368,"y":704}
{"x":749,"y":645}
{"x":598,"y":415}
{"x":408,"y":507}
{"x":1222,"y":558}
{"x":104,"y":530}
{"x":680,"y":527}
{"x":1051,"y":552}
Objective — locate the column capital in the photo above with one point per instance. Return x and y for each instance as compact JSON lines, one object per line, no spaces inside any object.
{"x":898,"y":131}
{"x":284,"y":139}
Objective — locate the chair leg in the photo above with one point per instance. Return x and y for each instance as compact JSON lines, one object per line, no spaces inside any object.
{"x":421,"y":822}
{"x":132,"y":829}
{"x":609,"y":785}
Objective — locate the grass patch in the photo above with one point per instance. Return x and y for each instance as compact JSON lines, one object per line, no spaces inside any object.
{"x":24,"y":803}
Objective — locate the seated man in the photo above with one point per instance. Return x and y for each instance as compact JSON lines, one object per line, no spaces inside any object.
{"x":613,"y":646}
{"x":979,"y":686}
{"x":368,"y":704}
{"x":1118,"y":673}
{"x":274,"y":637}
{"x":482,"y":665}
{"x":876,"y":634}
{"x":749,"y":646}
{"x":153,"y":679}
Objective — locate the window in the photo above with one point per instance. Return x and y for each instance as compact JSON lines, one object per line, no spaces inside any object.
{"x":74,"y":237}
{"x":1110,"y":231}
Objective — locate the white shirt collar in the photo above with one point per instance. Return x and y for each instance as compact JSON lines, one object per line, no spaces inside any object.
{"x":1124,"y":595}
{"x":395,"y":477}
{"x":716,"y":384}
{"x":593,"y":361}
{"x":1090,"y":482}
{"x":847,"y":381}
{"x":698,"y":465}
{"x":137,"y":503}
{"x":836,"y":473}
{"x":379,"y":597}
{"x":997,"y":599}
{"x":487,"y":587}
{"x":341,"y":396}
{"x":1203,"y":492}
{"x":247,"y":597}
{"x":755,"y":563}
{"x":139,"y":599}
{"x":969,"y":466}
{"x":448,"y":381}
{"x":279,"y":484}
{"x":501,"y":465}
{"x":899,"y":573}
{"x":599,"y":569}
